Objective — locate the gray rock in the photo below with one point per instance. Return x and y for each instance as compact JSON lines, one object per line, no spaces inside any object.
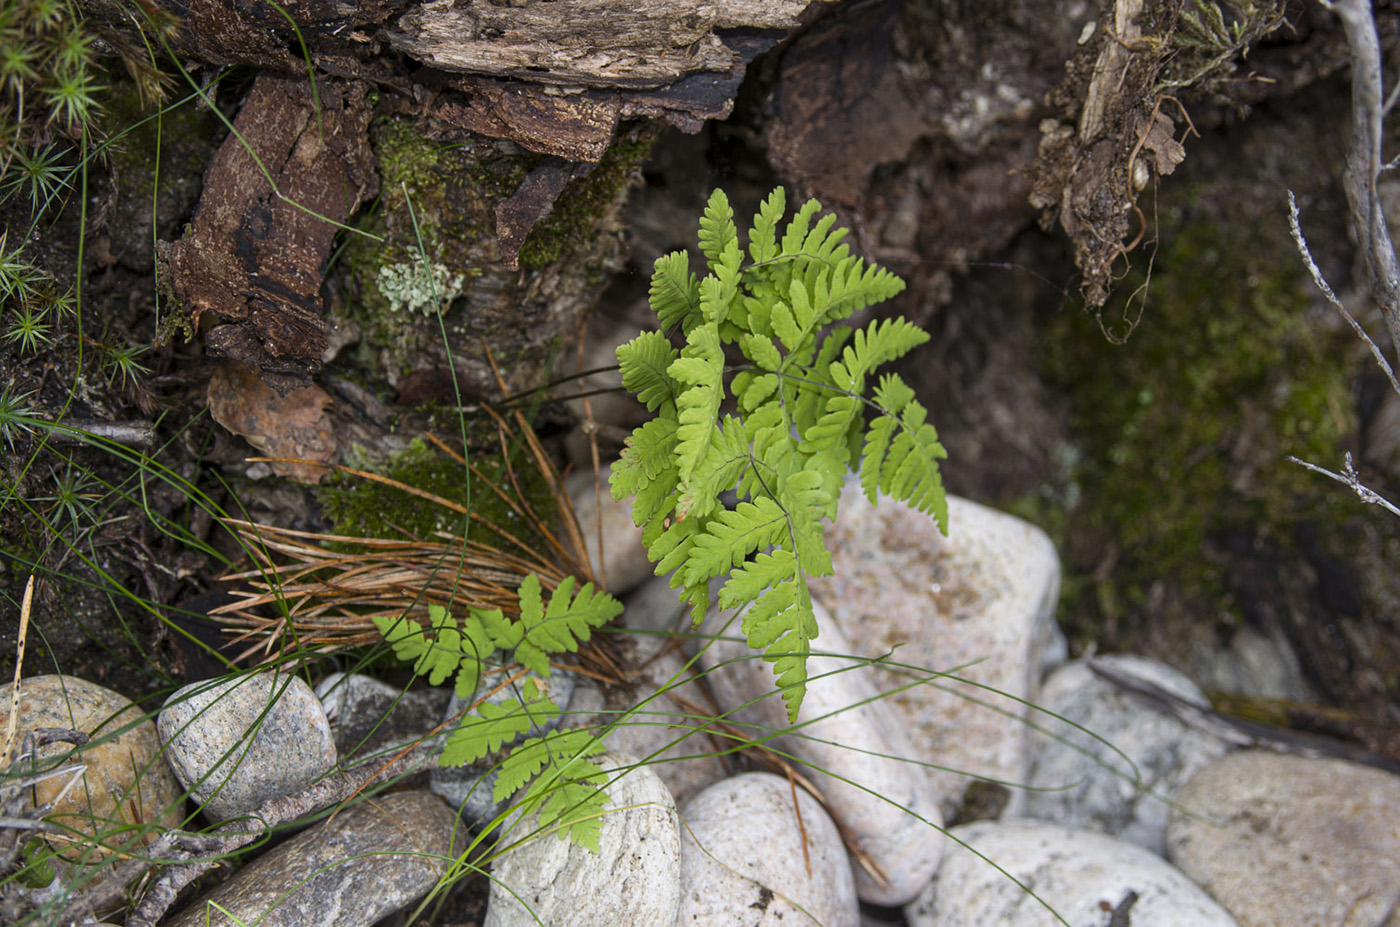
{"x":623,"y":563}
{"x":750,"y":858}
{"x":633,"y":879}
{"x":853,"y":747}
{"x":1090,"y":785}
{"x":653,"y":608}
{"x":977,"y":604}
{"x":1081,"y":875}
{"x":663,"y":717}
{"x":243,"y":740}
{"x":125,"y":785}
{"x":1289,"y":840}
{"x":348,"y":871}
{"x":469,"y":788}
{"x":368,"y":716}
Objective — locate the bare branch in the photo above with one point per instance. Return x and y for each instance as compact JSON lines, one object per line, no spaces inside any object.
{"x":1322,"y":285}
{"x":1364,"y":161}
{"x":1350,"y":478}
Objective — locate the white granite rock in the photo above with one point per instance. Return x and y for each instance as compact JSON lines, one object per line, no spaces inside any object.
{"x":977,"y":604}
{"x":633,"y":879}
{"x":624,"y":562}
{"x":1291,"y":841}
{"x":1088,"y":784}
{"x":749,"y":858}
{"x":1082,"y":875}
{"x":239,"y":741}
{"x":659,"y":729}
{"x":127,"y":792}
{"x":348,"y":871}
{"x":853,"y":746}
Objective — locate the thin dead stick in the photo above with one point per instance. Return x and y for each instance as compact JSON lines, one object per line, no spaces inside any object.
{"x":1321,"y":283}
{"x":11,"y":725}
{"x":1351,"y":479}
{"x":1364,"y":159}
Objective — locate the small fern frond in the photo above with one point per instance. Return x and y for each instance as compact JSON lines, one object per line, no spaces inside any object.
{"x":643,"y":362}
{"x":675,"y":292}
{"x":701,"y":366}
{"x":717,"y":231}
{"x":496,"y":724}
{"x":560,"y":626}
{"x":732,"y":535}
{"x":763,"y":240}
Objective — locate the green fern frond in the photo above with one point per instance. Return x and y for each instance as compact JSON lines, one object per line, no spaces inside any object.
{"x":497,"y":724}
{"x":798,"y":430}
{"x":701,"y":365}
{"x":732,"y":535}
{"x":554,"y":760}
{"x":558,"y":627}
{"x":675,"y":292}
{"x":643,"y":362}
{"x":717,"y":231}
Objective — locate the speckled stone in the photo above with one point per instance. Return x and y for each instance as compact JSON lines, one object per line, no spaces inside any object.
{"x":1292,"y":841}
{"x":977,"y":604}
{"x":1124,"y":790}
{"x":368,"y":716}
{"x":243,"y":740}
{"x":749,"y":858}
{"x":633,"y":879}
{"x":852,"y":747}
{"x":1082,"y":875}
{"x":126,"y":782}
{"x":659,"y":729}
{"x":347,"y":871}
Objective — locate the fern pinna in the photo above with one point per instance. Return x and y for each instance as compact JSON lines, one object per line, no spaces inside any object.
{"x":553,"y":770}
{"x":798,"y":425}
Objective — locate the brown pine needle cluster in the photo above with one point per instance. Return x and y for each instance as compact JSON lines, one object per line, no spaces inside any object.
{"x":308,"y":593}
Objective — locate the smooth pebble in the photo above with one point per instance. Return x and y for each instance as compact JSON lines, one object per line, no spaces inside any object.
{"x":240,"y":741}
{"x":750,"y":857}
{"x":1083,"y":876}
{"x":1292,"y":841}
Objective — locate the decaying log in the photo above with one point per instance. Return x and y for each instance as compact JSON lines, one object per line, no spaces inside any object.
{"x":296,"y":165}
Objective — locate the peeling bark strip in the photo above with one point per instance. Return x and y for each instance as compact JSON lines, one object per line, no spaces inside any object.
{"x":583,"y":63}
{"x":274,"y":192}
{"x":590,"y":43}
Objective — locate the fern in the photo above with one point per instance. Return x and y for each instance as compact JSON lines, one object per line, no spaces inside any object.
{"x":798,"y":426}
{"x":564,"y":789}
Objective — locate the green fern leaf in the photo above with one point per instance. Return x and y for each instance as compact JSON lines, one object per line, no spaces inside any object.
{"x":675,"y":292}
{"x":717,"y":231}
{"x":734,"y":534}
{"x":701,"y":365}
{"x":578,"y":807}
{"x":910,"y":472}
{"x":495,"y":725}
{"x":763,"y":240}
{"x":566,"y":621}
{"x":647,"y":455}
{"x":764,"y":571}
{"x":533,"y":755}
{"x":643,"y":362}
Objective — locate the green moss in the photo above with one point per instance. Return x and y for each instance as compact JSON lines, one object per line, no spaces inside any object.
{"x":366,"y":508}
{"x":1182,"y":432}
{"x":575,"y":214}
